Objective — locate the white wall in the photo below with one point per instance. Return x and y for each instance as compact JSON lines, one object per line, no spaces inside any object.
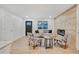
{"x":12,"y":26}
{"x":77,"y":41}
{"x":0,"y":25}
{"x":35,"y":21}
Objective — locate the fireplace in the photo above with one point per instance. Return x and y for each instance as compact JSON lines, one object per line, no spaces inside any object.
{"x":61,"y":32}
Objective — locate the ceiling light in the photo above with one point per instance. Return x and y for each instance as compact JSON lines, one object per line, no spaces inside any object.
{"x":50,"y":16}
{"x":26,"y":16}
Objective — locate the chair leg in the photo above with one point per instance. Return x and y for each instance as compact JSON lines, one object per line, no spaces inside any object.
{"x":34,"y":47}
{"x":29,"y":43}
{"x":55,"y":42}
{"x":63,"y":46}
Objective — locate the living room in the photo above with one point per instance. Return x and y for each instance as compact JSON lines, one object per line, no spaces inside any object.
{"x":40,"y":29}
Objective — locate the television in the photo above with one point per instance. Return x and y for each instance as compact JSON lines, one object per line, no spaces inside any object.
{"x":61,"y":32}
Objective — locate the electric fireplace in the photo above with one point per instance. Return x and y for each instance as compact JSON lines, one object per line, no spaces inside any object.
{"x":61,"y":32}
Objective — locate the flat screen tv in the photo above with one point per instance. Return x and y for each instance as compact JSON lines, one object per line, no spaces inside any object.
{"x":61,"y":32}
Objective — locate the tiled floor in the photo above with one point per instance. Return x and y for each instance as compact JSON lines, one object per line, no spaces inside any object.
{"x":20,"y":46}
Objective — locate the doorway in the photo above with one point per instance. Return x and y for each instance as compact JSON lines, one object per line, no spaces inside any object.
{"x":28,"y":27}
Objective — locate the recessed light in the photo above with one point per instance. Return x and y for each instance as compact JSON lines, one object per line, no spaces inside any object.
{"x":50,"y":16}
{"x":27,"y":16}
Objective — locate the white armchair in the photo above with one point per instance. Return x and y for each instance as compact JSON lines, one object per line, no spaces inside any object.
{"x":63,"y":42}
{"x":30,"y":38}
{"x":34,"y":40}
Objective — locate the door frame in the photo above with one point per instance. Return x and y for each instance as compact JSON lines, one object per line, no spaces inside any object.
{"x":26,"y":27}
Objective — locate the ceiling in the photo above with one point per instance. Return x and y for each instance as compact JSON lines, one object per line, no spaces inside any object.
{"x":36,"y":10}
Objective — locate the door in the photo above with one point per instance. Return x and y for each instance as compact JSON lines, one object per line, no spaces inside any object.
{"x":28,"y":27}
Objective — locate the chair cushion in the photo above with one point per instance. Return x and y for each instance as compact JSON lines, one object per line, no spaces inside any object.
{"x":59,"y":37}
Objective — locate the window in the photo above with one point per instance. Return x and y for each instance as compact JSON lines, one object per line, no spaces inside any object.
{"x":42,"y":24}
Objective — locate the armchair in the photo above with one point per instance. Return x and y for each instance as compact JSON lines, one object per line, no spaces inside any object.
{"x":63,"y":42}
{"x":33,"y":40}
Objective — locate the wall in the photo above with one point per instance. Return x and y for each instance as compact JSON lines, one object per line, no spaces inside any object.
{"x":0,"y":25}
{"x":35,"y":21}
{"x":12,"y":26}
{"x":77,"y":41}
{"x":67,"y":21}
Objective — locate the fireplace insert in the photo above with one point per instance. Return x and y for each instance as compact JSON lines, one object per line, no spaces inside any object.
{"x":61,"y":32}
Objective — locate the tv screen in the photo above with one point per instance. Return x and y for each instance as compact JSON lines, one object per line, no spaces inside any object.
{"x":61,"y":32}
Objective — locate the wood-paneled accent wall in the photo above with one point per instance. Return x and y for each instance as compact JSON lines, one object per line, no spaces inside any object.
{"x":67,"y":21}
